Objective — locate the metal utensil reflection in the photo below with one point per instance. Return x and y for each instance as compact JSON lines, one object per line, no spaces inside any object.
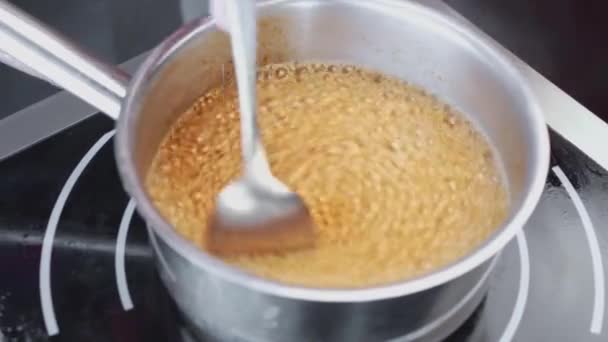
{"x":257,"y":212}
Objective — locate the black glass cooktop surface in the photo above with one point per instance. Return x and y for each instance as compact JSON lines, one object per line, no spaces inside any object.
{"x":75,"y":260}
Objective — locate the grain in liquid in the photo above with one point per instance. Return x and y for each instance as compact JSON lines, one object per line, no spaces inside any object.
{"x":398,"y":183}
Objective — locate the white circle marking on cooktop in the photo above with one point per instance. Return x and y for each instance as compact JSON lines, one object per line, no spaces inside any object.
{"x":46,"y":299}
{"x":441,"y":320}
{"x":596,"y":257}
{"x":522,"y":294}
{"x":119,"y":257}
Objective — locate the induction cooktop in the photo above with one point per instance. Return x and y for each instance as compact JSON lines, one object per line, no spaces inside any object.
{"x":76,"y":265}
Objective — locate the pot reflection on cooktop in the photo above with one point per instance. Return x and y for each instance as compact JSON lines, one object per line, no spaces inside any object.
{"x":75,"y":261}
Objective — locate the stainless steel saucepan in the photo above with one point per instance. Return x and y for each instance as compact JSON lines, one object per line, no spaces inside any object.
{"x":408,"y":39}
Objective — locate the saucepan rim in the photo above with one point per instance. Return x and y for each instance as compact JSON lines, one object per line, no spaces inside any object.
{"x":124,"y":145}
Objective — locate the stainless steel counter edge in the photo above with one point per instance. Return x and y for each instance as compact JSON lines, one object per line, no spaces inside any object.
{"x":47,"y":117}
{"x":563,"y":114}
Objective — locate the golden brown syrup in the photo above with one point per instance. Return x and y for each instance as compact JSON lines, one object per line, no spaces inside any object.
{"x":397,"y":182}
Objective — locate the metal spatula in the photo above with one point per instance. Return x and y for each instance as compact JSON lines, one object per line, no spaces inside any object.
{"x":256,"y":213}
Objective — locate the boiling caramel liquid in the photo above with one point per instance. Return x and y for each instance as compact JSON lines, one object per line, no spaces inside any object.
{"x":398,"y":183}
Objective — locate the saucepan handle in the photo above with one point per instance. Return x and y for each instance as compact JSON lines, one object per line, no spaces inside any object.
{"x":30,"y":46}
